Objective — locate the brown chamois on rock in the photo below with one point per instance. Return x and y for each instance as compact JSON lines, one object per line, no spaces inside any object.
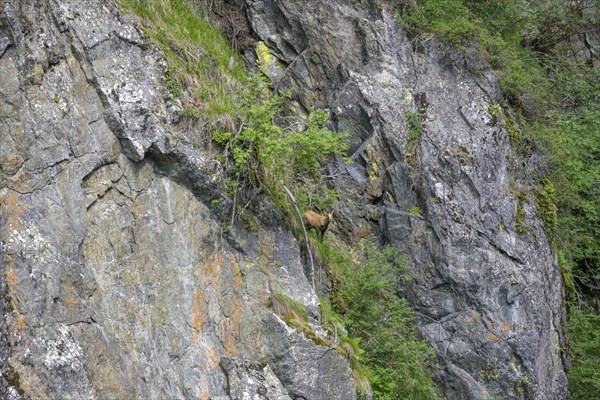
{"x":318,"y":222}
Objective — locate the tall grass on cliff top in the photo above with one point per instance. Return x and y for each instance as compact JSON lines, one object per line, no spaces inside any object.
{"x":238,"y":109}
{"x":204,"y":71}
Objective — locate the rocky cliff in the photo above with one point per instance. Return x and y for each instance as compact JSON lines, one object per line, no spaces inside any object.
{"x":117,"y":278}
{"x":120,"y":281}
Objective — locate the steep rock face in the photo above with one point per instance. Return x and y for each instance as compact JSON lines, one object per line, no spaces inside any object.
{"x":432,"y":175}
{"x":118,"y":280}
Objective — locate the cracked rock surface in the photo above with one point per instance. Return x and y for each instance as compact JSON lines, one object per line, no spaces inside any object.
{"x":432,"y":174}
{"x":117,"y":280}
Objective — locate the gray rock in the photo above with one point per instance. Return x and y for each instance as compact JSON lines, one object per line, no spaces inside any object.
{"x":251,"y":381}
{"x":118,"y":280}
{"x":491,"y":298}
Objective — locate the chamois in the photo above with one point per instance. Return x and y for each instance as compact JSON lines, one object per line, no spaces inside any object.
{"x":318,"y":222}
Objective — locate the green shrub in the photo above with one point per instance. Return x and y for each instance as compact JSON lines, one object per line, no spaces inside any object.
{"x":584,"y":338}
{"x":574,"y":144}
{"x":415,"y":126}
{"x":545,"y":203}
{"x":415,"y":210}
{"x":396,"y":362}
{"x":263,"y":154}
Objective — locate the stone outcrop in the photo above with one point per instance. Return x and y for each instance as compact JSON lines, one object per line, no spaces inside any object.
{"x":118,"y":280}
{"x":433,"y":174}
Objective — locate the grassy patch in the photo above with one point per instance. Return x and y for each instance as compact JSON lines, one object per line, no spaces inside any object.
{"x":201,"y":61}
{"x":288,"y":308}
{"x":379,"y":328}
{"x":584,"y":336}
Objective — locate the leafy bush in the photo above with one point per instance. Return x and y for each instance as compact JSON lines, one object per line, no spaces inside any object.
{"x":282,"y":153}
{"x":263,"y":154}
{"x":575,"y":145}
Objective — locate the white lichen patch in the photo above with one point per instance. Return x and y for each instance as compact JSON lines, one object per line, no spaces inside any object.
{"x":30,"y":244}
{"x":63,"y":351}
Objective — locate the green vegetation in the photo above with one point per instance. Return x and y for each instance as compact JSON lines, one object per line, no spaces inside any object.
{"x":415,"y":132}
{"x":263,"y":154}
{"x":415,"y":210}
{"x":239,"y":110}
{"x":381,"y":328}
{"x":415,"y":126}
{"x":295,"y":315}
{"x":584,"y":377}
{"x":287,"y":308}
{"x":545,"y":201}
{"x":200,"y":58}
{"x":495,"y":113}
{"x":574,"y":145}
{"x":552,"y":124}
{"x":520,"y":224}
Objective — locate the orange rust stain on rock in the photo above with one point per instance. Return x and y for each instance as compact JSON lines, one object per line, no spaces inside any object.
{"x":15,"y":209}
{"x":207,"y":274}
{"x":204,"y":395}
{"x":30,"y":382}
{"x":11,"y":276}
{"x":232,"y":258}
{"x":20,"y":322}
{"x":229,"y":333}
{"x":213,"y":358}
{"x":72,"y":301}
{"x":202,"y":389}
{"x":198,"y":315}
{"x":505,"y":327}
{"x":221,"y":284}
{"x":11,"y":281}
{"x":236,"y":307}
{"x":213,"y":265}
{"x":17,"y":182}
